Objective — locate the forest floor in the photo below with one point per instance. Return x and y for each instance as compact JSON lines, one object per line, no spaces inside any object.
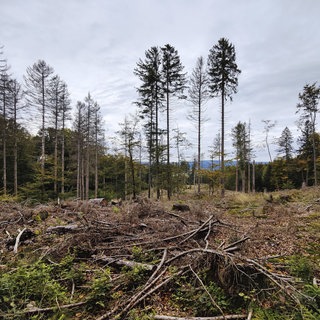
{"x":247,"y":256}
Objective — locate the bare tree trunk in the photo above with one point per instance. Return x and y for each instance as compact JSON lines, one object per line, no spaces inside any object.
{"x":237,"y":177}
{"x":43,"y":138}
{"x":314,"y":155}
{"x":82,"y":180}
{"x":15,"y":148}
{"x":243,"y":178}
{"x":55,"y":164}
{"x":79,"y":164}
{"x":253,"y":176}
{"x":62,"y":157}
{"x":133,"y":181}
{"x":222,"y":142}
{"x":87,"y":174}
{"x":96,"y":157}
{"x":249,"y":177}
{"x":96,"y":173}
{"x":4,"y":138}
{"x":168,"y":147}
{"x":199,"y":145}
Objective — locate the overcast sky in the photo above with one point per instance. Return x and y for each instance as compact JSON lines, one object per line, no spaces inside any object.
{"x":94,"y":45}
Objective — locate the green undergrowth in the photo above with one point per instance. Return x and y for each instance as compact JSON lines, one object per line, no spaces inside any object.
{"x":26,"y":284}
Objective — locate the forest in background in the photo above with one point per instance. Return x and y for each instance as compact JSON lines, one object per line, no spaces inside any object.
{"x":72,"y":161}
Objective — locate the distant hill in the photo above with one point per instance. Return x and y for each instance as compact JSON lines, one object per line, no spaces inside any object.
{"x":207,"y":164}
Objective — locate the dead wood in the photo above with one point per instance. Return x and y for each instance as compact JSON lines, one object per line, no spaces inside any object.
{"x":121,"y":262}
{"x":178,"y":244}
{"x":180,"y":207}
{"x":143,"y":294}
{"x":234,"y":246}
{"x":15,"y":248}
{"x":198,"y":229}
{"x":64,"y":229}
{"x":34,"y":310}
{"x":207,"y":292}
{"x":227,"y":317}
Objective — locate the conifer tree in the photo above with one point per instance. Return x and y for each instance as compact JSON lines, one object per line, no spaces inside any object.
{"x":150,"y":104}
{"x":223,"y":76}
{"x":240,"y":137}
{"x":174,"y":84}
{"x":285,"y":144}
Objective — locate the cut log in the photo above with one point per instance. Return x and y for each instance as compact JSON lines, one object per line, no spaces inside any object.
{"x":63,"y":229}
{"x":99,"y":201}
{"x":121,"y":262}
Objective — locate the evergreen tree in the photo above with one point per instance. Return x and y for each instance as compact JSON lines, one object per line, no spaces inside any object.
{"x":223,"y":76}
{"x":285,"y":144}
{"x":150,"y":104}
{"x":174,"y":83}
{"x":240,"y":136}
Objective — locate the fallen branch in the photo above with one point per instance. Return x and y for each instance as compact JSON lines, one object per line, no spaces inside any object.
{"x":234,"y":246}
{"x":120,"y":262}
{"x":43,"y":310}
{"x":198,"y":230}
{"x":15,"y":248}
{"x":135,"y":301}
{"x":208,"y":293}
{"x":232,"y":316}
{"x":64,"y":229}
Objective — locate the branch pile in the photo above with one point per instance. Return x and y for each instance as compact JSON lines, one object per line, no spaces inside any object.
{"x":181,"y":244}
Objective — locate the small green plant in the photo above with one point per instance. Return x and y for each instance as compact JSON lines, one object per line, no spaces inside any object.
{"x":136,"y":314}
{"x":116,"y":209}
{"x":135,"y":276}
{"x":32,"y":284}
{"x":137,"y":254}
{"x":100,"y":290}
{"x":300,"y":266}
{"x":195,"y":299}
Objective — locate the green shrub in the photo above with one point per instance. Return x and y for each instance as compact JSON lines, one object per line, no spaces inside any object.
{"x":31,"y":284}
{"x":196,"y":300}
{"x":100,"y":290}
{"x":301,"y":267}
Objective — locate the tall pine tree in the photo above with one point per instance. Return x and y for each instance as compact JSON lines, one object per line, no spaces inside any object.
{"x":150,"y":104}
{"x":174,"y":83}
{"x":223,"y":75}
